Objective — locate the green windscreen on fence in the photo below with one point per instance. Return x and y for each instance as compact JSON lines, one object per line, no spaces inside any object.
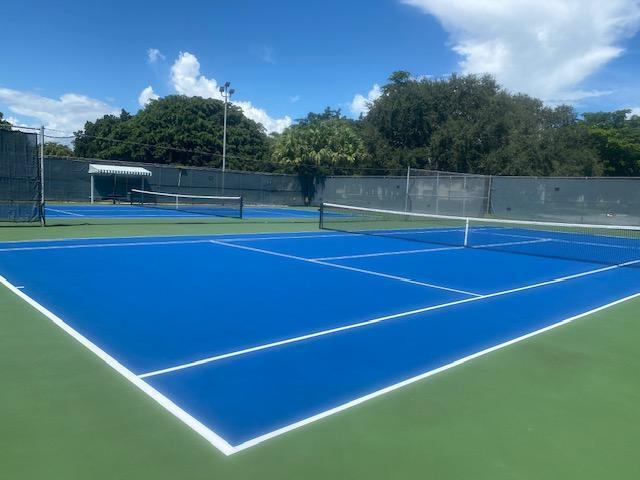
{"x":420,"y":191}
{"x":19,"y":177}
{"x":67,"y":180}
{"x":598,"y":200}
{"x":575,"y":200}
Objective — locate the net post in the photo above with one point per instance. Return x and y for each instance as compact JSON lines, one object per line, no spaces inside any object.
{"x":466,"y":233}
{"x":321,"y":216}
{"x":42,"y":210}
{"x":241,"y":207}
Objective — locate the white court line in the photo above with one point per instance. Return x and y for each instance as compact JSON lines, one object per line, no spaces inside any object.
{"x":480,"y":220}
{"x":426,"y":250}
{"x":252,"y":236}
{"x":255,"y":441}
{"x":503,"y":244}
{"x":560,"y":240}
{"x":128,"y":217}
{"x":219,"y":442}
{"x":63,"y":211}
{"x":103,"y":245}
{"x":205,"y":432}
{"x":344,"y":267}
{"x":416,"y":231}
{"x":490,"y":231}
{"x":385,"y":318}
{"x":293,"y":237}
{"x":246,"y":237}
{"x":384,"y":254}
{"x":89,"y":209}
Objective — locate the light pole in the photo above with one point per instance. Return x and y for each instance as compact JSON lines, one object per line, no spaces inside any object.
{"x":226,"y":93}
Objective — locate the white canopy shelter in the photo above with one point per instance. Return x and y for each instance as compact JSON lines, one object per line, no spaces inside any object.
{"x":115,"y":170}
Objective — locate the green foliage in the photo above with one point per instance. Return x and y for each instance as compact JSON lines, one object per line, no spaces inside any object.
{"x":470,"y":124}
{"x":543,"y":141}
{"x":176,"y":130}
{"x":616,"y":138}
{"x":320,"y":144}
{"x":465,"y":124}
{"x":103,"y":138}
{"x":54,"y":149}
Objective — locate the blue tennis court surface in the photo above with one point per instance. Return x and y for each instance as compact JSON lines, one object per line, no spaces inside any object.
{"x":245,"y":337}
{"x":101,"y":211}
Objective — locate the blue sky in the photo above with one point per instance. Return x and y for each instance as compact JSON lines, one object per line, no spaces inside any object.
{"x":65,"y":64}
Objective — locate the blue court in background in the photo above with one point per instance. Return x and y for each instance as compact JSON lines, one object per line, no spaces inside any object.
{"x":253,"y":335}
{"x":102,"y":211}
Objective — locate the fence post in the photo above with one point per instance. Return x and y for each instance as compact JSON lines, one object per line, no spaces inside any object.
{"x":42,"y":205}
{"x":464,"y":198}
{"x":437,"y":192}
{"x":406,"y":191}
{"x":489,"y":189}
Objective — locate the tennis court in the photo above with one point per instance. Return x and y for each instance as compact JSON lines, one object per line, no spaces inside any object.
{"x":101,"y":211}
{"x":140,"y":206}
{"x":247,"y":337}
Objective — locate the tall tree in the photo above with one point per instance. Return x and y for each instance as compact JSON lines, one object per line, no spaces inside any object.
{"x":616,"y":137}
{"x":320,"y":144}
{"x":542,"y":141}
{"x":470,"y":124}
{"x":177,"y":130}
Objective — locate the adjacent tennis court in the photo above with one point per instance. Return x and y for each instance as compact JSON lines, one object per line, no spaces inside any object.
{"x":247,"y":337}
{"x":98,"y":211}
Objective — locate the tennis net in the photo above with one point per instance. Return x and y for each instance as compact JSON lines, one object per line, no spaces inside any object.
{"x":189,"y":205}
{"x":604,"y":244}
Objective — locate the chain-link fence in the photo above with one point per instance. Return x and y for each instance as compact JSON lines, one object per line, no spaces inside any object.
{"x":67,"y":180}
{"x":576,"y":200}
{"x":361,"y":191}
{"x":598,"y":200}
{"x":420,"y":191}
{"x":20,"y":182}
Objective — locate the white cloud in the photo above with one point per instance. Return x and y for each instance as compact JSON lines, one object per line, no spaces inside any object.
{"x":266,"y":54}
{"x":187,"y":80}
{"x":147,"y":95}
{"x":360,"y":103}
{"x":67,"y":113}
{"x":295,"y":98}
{"x":259,"y":115}
{"x":153,"y":55}
{"x":634,"y":111}
{"x":545,"y":48}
